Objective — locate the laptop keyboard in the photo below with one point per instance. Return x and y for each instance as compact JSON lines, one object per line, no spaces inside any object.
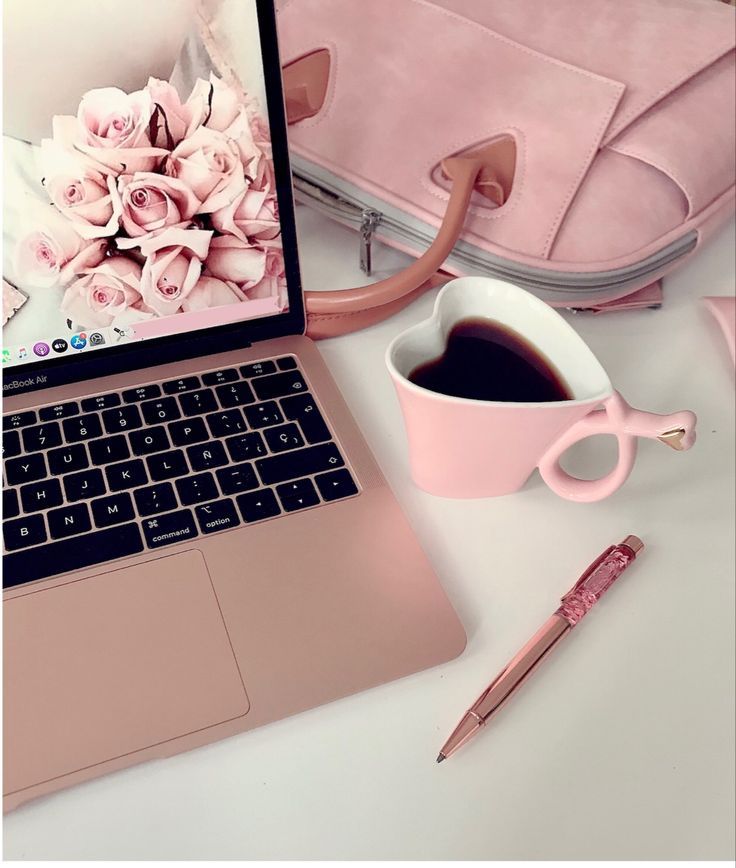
{"x":120,"y":473}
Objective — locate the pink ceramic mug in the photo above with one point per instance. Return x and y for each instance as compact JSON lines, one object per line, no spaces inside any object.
{"x":460,"y":447}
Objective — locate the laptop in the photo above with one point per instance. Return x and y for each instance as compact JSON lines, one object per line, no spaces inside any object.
{"x":197,"y":539}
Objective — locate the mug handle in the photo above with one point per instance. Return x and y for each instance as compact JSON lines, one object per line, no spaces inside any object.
{"x":676,"y":430}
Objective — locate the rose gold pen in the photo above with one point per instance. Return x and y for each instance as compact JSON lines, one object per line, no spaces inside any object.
{"x":576,"y":603}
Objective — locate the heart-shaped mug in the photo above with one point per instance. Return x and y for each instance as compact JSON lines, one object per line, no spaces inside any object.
{"x":464,"y":447}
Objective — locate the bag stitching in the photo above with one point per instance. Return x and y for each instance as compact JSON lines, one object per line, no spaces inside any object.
{"x":663,"y":167}
{"x":595,"y":146}
{"x":670,"y":88}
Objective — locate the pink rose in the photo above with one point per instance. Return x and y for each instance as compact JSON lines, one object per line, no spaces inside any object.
{"x":217,"y":107}
{"x":103,"y":293}
{"x":110,"y":118}
{"x":262,"y":171}
{"x":153,"y":202}
{"x":53,"y":252}
{"x":169,"y":275}
{"x":111,"y":128}
{"x":211,"y":292}
{"x":170,"y":119}
{"x":230,"y":258}
{"x":252,"y":215}
{"x":273,"y":282}
{"x":213,"y":104}
{"x":209,"y":163}
{"x":84,"y":195}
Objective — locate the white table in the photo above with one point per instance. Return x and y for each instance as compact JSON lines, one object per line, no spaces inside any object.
{"x":622,"y":748}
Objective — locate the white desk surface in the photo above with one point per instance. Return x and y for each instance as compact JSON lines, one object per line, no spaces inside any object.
{"x":621,"y":748}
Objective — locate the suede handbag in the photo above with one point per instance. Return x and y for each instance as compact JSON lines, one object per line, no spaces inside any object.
{"x":581,"y":149}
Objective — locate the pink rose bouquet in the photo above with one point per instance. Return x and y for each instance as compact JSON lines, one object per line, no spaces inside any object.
{"x":158,"y":206}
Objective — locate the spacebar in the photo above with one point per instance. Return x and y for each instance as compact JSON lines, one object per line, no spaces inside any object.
{"x":71,"y":554}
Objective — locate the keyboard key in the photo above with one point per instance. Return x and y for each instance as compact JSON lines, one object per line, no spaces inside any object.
{"x":288,"y":383}
{"x":302,"y":408}
{"x":336,"y":484}
{"x":167,"y":465}
{"x":19,"y":420}
{"x":80,"y":486}
{"x":286,"y":363}
{"x":58,"y":411}
{"x":149,"y":440}
{"x":196,"y":489}
{"x":44,"y":436}
{"x":155,"y":499}
{"x":219,"y":515}
{"x":196,"y":403}
{"x":218,"y":378}
{"x":258,"y":369}
{"x":299,"y":462}
{"x":165,"y":410}
{"x":235,"y":479}
{"x":142,"y":393}
{"x":297,"y":495}
{"x":170,"y":528}
{"x":261,"y":415}
{"x":121,"y":419}
{"x":82,"y":428}
{"x":112,"y":510}
{"x":100,"y":402}
{"x":27,"y":468}
{"x":11,"y":444}
{"x":207,"y":456}
{"x":11,"y":507}
{"x":69,"y":521}
{"x":223,"y":424}
{"x":183,"y":384}
{"x":235,"y":394}
{"x":257,"y":505}
{"x":67,"y":459}
{"x":21,"y":533}
{"x":127,"y":474}
{"x":109,"y":449}
{"x":246,"y":447}
{"x":71,"y":554}
{"x":284,"y":437}
{"x":297,"y":488}
{"x":41,"y":495}
{"x":186,"y":433}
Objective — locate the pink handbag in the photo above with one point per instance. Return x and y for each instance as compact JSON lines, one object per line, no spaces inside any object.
{"x":580,"y":149}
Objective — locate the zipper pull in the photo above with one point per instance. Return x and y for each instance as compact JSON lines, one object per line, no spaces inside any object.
{"x":369,"y":220}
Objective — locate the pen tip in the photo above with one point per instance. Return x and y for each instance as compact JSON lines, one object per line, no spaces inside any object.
{"x":441,"y":757}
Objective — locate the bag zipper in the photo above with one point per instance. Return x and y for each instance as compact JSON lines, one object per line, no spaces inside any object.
{"x":365,"y":217}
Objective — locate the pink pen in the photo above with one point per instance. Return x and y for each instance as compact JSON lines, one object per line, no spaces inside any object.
{"x":576,"y":603}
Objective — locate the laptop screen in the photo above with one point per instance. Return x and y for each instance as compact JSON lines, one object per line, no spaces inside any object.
{"x":153,"y":219}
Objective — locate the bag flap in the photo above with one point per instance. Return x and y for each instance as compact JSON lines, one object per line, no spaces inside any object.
{"x":652,"y":46}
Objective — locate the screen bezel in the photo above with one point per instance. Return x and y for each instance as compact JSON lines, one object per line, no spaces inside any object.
{"x":37,"y":375}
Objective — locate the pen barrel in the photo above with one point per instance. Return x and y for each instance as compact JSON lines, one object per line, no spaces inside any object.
{"x":517,"y":670}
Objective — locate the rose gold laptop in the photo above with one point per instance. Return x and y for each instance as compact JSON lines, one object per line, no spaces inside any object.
{"x":197,"y":539}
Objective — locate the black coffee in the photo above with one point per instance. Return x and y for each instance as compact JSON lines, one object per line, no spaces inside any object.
{"x":490,"y":362}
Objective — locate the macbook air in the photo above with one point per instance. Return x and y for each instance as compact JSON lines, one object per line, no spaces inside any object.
{"x":197,"y":539}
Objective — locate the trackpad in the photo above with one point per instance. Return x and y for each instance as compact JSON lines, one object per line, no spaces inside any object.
{"x":105,"y":666}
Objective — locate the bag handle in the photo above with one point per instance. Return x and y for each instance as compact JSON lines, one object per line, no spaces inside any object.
{"x":347,"y":310}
